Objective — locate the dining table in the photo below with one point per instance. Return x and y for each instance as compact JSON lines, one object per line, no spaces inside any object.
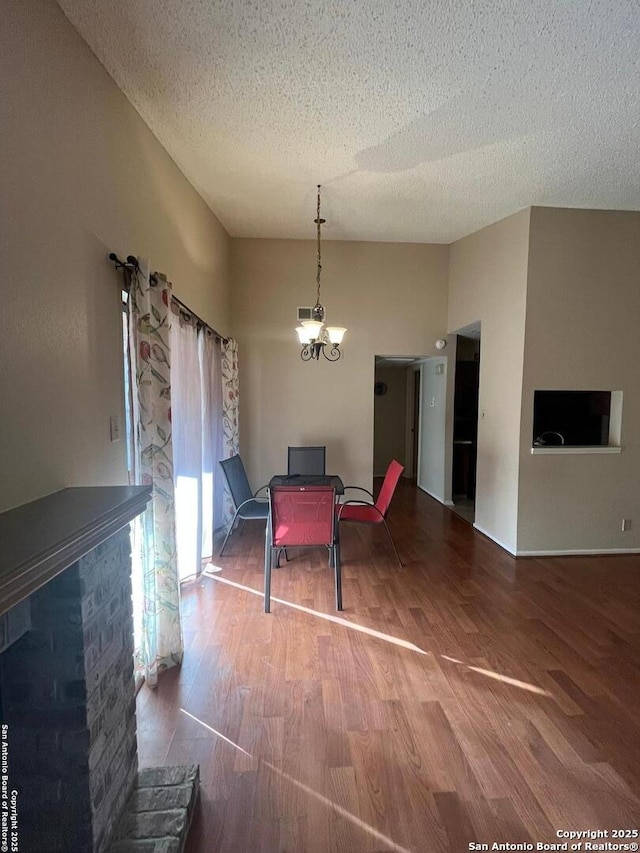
{"x":308,"y":480}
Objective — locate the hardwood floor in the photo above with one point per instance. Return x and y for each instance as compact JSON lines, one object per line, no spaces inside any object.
{"x":467,"y":697}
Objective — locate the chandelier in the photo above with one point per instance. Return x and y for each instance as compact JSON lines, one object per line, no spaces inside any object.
{"x":314,"y":336}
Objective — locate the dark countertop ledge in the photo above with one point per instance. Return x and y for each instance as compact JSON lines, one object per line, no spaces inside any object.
{"x":44,"y":537}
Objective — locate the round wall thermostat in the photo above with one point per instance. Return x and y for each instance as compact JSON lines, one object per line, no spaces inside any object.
{"x":441,"y":343}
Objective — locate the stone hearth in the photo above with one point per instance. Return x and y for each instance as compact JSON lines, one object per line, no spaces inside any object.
{"x":159,"y":811}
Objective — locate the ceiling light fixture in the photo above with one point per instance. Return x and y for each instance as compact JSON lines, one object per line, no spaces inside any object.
{"x":314,"y":337}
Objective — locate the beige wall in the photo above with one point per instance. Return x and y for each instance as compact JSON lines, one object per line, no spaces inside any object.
{"x":81,"y":176}
{"x":488,"y":282}
{"x":390,"y":419}
{"x":393,"y":300}
{"x":583,"y":314}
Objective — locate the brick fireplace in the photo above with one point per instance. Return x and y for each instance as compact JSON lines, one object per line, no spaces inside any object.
{"x":69,"y":700}
{"x":66,"y":673}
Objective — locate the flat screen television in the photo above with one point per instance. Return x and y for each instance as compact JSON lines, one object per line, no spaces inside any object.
{"x":573,"y":418}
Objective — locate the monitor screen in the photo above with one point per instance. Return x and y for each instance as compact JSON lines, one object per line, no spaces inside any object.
{"x":574,"y":418}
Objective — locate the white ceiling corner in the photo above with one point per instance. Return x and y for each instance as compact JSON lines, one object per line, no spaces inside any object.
{"x":424,"y":120}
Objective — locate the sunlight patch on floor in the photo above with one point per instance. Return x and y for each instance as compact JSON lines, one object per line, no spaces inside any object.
{"x":356,"y":821}
{"x":513,"y":682}
{"x":379,"y":635}
{"x":379,"y":836}
{"x":215,"y":732}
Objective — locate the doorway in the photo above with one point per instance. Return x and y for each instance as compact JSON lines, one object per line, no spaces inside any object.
{"x":465,"y":421}
{"x":396,"y":412}
{"x":412,"y":421}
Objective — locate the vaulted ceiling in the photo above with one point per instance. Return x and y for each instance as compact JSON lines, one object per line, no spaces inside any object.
{"x":424,"y":120}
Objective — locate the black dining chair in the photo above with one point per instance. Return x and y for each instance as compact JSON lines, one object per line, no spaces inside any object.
{"x":306,"y":460}
{"x":248,"y":507}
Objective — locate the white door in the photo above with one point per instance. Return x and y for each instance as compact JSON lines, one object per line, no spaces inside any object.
{"x":432,"y":438}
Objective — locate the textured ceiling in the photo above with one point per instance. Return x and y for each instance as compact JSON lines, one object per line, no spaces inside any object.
{"x":424,"y":120}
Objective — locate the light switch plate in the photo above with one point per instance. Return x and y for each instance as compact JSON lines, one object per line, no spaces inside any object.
{"x":114,"y":426}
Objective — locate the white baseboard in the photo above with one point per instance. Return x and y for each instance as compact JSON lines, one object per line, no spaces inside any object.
{"x":586,"y":552}
{"x":559,"y":552}
{"x":493,"y":539}
{"x":431,"y":495}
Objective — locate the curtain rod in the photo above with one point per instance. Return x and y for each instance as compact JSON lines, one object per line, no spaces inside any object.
{"x":131,"y":264}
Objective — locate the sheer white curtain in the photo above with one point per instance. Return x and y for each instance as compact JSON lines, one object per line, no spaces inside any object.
{"x":186,"y":419}
{"x":196,"y":376}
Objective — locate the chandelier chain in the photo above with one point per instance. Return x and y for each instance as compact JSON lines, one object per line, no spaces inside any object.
{"x":319,"y":269}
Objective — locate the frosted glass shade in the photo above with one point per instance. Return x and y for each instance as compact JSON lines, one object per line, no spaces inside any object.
{"x":336,"y":334}
{"x":312,"y":327}
{"x":304,"y":335}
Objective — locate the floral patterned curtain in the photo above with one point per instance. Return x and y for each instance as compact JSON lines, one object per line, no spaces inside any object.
{"x":212,"y":437}
{"x":230,"y":411}
{"x":149,"y":327}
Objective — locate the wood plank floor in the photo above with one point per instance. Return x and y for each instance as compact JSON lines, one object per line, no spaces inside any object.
{"x":466,"y":697}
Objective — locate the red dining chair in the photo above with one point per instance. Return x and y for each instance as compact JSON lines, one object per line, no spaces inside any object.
{"x":302,"y":517}
{"x":363,"y":512}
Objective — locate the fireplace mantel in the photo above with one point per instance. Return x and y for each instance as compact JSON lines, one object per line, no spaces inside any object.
{"x":41,"y":539}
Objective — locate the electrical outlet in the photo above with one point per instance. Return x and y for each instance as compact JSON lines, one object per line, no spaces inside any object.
{"x":114,"y":427}
{"x":626,"y":524}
